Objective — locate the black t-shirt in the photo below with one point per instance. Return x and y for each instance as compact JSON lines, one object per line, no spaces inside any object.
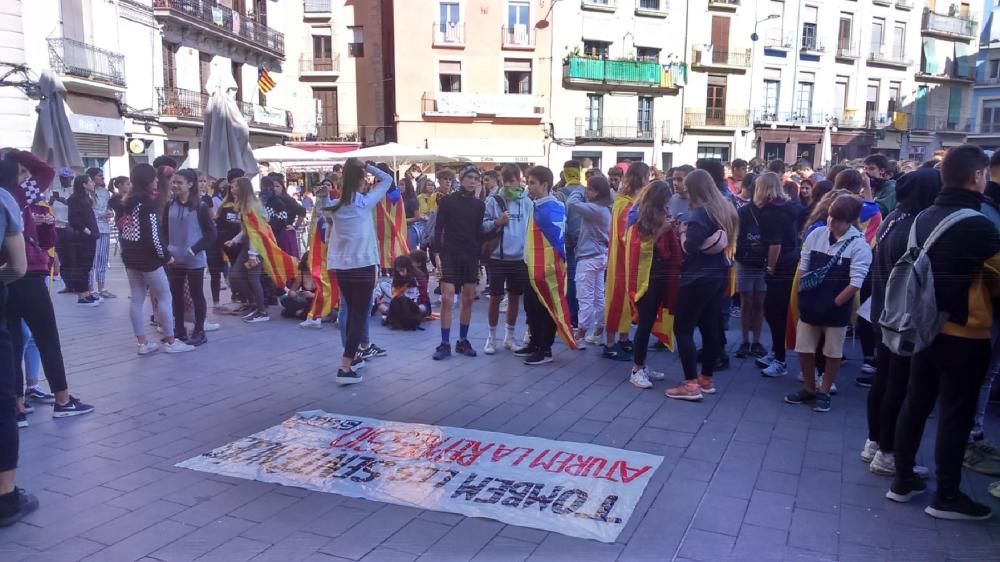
{"x":778,"y":227}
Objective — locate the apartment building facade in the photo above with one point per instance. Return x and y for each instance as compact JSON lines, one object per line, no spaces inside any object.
{"x":986,"y":90}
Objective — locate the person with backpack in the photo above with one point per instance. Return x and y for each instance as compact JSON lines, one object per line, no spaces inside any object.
{"x":506,"y":271}
{"x":751,"y":259}
{"x":833,"y":264}
{"x":958,"y":257}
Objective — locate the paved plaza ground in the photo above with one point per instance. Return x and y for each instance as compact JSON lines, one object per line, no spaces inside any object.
{"x":744,"y":476}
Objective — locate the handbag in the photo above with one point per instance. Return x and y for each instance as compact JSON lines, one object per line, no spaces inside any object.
{"x":813,"y":279}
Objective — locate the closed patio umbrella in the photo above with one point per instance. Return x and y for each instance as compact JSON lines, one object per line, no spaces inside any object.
{"x":225,"y":136}
{"x":54,"y":140}
{"x":826,"y":148}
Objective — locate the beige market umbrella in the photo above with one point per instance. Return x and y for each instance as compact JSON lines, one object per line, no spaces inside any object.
{"x":225,"y":136}
{"x":54,"y":140}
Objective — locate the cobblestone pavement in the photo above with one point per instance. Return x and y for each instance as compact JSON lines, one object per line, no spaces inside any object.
{"x":744,"y":476}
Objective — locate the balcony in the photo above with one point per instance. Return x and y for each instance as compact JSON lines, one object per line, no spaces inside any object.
{"x":948,"y":27}
{"x":585,"y":73}
{"x":891,"y":60}
{"x":621,"y":130}
{"x":904,"y":5}
{"x":714,"y":119}
{"x":961,"y":123}
{"x":651,"y":8}
{"x":319,"y":67}
{"x":779,"y":43}
{"x":463,"y":107}
{"x":449,"y":35}
{"x":724,"y":5}
{"x":317,"y":9}
{"x":599,"y":5}
{"x":722,"y":61}
{"x":846,"y":51}
{"x":188,"y":107}
{"x":87,"y":68}
{"x":182,"y":18}
{"x":517,"y":38}
{"x":811,"y":46}
{"x":950,"y":76}
{"x":882,"y":2}
{"x":768,"y":115}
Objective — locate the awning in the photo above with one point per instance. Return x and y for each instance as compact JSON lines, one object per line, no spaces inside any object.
{"x":94,"y":116}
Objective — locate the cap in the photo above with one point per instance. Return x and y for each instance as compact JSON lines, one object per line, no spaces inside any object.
{"x":67,"y":173}
{"x":470,"y":170}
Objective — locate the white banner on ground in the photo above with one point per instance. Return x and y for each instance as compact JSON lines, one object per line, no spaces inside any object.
{"x":576,"y":489}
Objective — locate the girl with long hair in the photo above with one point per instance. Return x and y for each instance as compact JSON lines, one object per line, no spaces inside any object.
{"x":189,"y":232}
{"x":707,"y":236}
{"x":288,"y":239}
{"x":247,"y":270}
{"x":653,"y":225}
{"x":353,"y":256}
{"x":145,"y":255}
{"x":83,"y":243}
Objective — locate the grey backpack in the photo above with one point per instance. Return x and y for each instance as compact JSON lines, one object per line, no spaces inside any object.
{"x":910,"y":319}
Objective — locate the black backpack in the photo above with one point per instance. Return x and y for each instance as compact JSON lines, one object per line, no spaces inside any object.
{"x":404,"y":314}
{"x":750,"y":248}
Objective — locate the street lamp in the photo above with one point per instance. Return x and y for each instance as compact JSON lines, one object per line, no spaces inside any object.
{"x":753,"y":36}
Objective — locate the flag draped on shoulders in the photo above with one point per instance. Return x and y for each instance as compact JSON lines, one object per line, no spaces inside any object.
{"x":327,"y":291}
{"x":545,"y":255}
{"x":618,"y":308}
{"x":638,"y":258}
{"x":279,"y":265}
{"x":390,"y":229}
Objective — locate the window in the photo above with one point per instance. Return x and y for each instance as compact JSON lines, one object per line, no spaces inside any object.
{"x":327,"y":122}
{"x":844,"y":32}
{"x":840,"y":95}
{"x":322,"y":47}
{"x":450,"y":76}
{"x":871,"y":103}
{"x":237,"y":70}
{"x":713,"y":152}
{"x":518,"y":13}
{"x":917,"y":152}
{"x":652,"y":5}
{"x":645,"y":116}
{"x":517,"y":76}
{"x":809,"y":17}
{"x":991,"y":117}
{"x":715,"y":101}
{"x":449,"y":14}
{"x":356,"y":48}
{"x":994,"y":68}
{"x":878,"y":28}
{"x":771,"y":90}
{"x":204,"y":69}
{"x":597,"y":49}
{"x":899,"y":41}
{"x":805,"y":98}
{"x":169,"y":65}
{"x":774,"y":151}
{"x":894,"y":100}
{"x":595,"y":112}
{"x":647,"y":54}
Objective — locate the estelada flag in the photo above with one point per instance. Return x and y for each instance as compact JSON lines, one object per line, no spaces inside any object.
{"x":545,"y":254}
{"x":390,"y":230}
{"x":279,"y":265}
{"x":327,"y":291}
{"x":639,"y":264}
{"x":618,"y":307}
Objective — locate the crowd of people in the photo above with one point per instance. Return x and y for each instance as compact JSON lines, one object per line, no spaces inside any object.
{"x":614,"y":259}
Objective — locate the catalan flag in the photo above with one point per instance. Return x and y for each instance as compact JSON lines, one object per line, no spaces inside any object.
{"x":279,"y":265}
{"x":264,"y":81}
{"x":639,"y":265}
{"x":390,"y":229}
{"x":545,"y":255}
{"x":327,"y":291}
{"x":618,"y":308}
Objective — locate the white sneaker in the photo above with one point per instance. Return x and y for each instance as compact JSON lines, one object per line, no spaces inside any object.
{"x":314,"y":324}
{"x":870,"y":451}
{"x":593,"y":340}
{"x":490,"y":348}
{"x":654,"y":375}
{"x":640,"y":379}
{"x":212,"y":327}
{"x":148,"y":347}
{"x":508,"y":344}
{"x":581,"y":343}
{"x":765,"y":361}
{"x":883,"y":464}
{"x":819,"y":382}
{"x":868,"y":369}
{"x":775,"y":369}
{"x":177,"y":347}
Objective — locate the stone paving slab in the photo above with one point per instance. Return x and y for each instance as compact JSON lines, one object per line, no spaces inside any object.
{"x":744,"y":476}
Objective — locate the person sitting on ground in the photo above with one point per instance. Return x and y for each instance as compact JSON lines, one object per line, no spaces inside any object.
{"x":298,"y":299}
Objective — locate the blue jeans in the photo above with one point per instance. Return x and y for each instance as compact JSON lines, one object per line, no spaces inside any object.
{"x":342,"y":321}
{"x":32,"y":359}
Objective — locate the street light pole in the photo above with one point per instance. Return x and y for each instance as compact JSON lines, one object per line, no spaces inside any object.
{"x":753,"y":57}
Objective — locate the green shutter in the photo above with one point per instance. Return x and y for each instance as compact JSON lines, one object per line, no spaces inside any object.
{"x":931,"y":63}
{"x":954,"y":105}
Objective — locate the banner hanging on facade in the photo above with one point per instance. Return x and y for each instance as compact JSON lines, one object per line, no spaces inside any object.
{"x":577,"y":489}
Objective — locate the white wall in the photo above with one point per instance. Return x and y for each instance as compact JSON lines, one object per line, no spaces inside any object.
{"x":15,"y":109}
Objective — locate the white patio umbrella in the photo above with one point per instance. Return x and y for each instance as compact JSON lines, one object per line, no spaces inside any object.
{"x":399,"y":155}
{"x":826,"y":148}
{"x":54,"y":141}
{"x":225,"y":136}
{"x":284,"y":153}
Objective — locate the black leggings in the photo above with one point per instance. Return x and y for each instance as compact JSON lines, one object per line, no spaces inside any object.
{"x":80,"y":249}
{"x":648,"y":306}
{"x":540,"y":324}
{"x":779,"y":291}
{"x":8,"y":422}
{"x":698,"y":306}
{"x":195,"y":279}
{"x":885,"y":399}
{"x":29,"y":301}
{"x":215,"y":267}
{"x":356,"y":287}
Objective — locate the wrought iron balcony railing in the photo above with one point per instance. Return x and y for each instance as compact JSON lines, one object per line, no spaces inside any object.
{"x":73,"y":58}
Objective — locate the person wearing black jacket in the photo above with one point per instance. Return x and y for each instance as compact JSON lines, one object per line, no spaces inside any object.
{"x":295,"y":213}
{"x":144,"y":256}
{"x":965,"y":261}
{"x":83,"y":234}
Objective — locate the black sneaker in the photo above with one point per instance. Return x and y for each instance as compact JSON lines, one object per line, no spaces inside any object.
{"x":358,"y":363}
{"x":36,"y":394}
{"x":539,"y":358}
{"x":375,"y":351}
{"x":959,"y":507}
{"x":743,"y":351}
{"x":347,"y":377}
{"x":626,"y":345}
{"x":903,"y":490}
{"x":196,"y":339}
{"x":28,"y":408}
{"x":758,"y":351}
{"x":256,"y":317}
{"x":15,"y":506}
{"x":864,"y":382}
{"x":442,"y":351}
{"x":72,"y":407}
{"x":463,"y":347}
{"x":822,"y":402}
{"x":87,"y":302}
{"x":800,"y":397}
{"x":526,"y":351}
{"x":22,"y":420}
